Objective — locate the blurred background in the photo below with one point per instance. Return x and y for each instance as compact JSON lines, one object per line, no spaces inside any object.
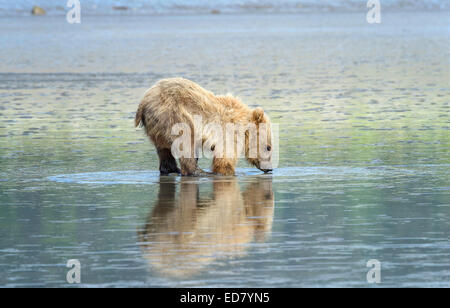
{"x":145,"y":7}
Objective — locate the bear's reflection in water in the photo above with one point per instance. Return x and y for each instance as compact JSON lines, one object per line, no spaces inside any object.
{"x":188,"y":230}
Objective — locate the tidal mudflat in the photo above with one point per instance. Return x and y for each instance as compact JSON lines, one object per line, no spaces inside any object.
{"x":364,"y":142}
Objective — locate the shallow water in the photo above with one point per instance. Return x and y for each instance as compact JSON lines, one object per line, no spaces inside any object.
{"x":364,"y":143}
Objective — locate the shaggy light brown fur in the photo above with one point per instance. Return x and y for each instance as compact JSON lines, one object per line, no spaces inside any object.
{"x":178,"y":100}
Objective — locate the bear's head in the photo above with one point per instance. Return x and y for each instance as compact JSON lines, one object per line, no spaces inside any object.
{"x":258,"y":147}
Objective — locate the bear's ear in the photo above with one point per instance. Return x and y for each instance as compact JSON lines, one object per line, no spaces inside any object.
{"x":258,"y":115}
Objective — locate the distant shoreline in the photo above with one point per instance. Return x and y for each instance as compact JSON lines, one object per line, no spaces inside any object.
{"x":131,"y":13}
{"x":206,"y":7}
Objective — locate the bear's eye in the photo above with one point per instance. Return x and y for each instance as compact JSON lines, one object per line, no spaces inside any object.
{"x":269,"y":148}
{"x":213,"y":147}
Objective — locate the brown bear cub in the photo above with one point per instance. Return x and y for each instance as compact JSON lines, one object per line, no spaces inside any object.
{"x":176,"y":100}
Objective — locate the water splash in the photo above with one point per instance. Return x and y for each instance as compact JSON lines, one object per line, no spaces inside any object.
{"x":150,"y":177}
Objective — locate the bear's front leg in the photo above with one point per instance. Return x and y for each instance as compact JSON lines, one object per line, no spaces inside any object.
{"x":189,"y":167}
{"x":223,"y":166}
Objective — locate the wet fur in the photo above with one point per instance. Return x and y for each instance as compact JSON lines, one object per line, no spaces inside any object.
{"x":177,"y":100}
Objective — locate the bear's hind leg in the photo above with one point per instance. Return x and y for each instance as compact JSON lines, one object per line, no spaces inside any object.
{"x":167,"y":163}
